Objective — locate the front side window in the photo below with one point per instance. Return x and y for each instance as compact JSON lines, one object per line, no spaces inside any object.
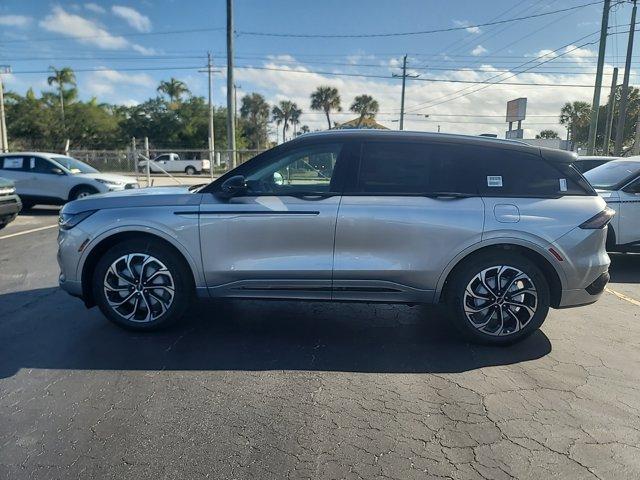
{"x":74,"y":165}
{"x":306,"y":170}
{"x":40,"y":165}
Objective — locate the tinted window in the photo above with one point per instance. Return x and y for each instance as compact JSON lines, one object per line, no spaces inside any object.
{"x":613,"y":175}
{"x":304,"y":170}
{"x":162,"y":157}
{"x":12,"y":163}
{"x":512,"y":173}
{"x":414,"y":168}
{"x":40,"y":165}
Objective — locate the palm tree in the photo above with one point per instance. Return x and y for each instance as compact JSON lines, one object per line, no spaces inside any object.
{"x":304,"y":129}
{"x":365,"y":106}
{"x":174,"y":89}
{"x":255,"y":111}
{"x":295,"y":119}
{"x":548,"y":134}
{"x":575,"y":116}
{"x":326,"y":99}
{"x":282,"y":113}
{"x":62,"y":77}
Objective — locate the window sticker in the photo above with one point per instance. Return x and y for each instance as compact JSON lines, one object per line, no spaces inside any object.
{"x":563,"y":184}
{"x":13,"y":163}
{"x":494,"y":180}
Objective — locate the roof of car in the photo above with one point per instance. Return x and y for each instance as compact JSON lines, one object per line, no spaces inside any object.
{"x":44,"y":154}
{"x":551,"y":154}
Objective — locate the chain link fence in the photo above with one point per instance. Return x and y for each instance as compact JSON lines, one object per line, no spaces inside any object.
{"x":175,"y":161}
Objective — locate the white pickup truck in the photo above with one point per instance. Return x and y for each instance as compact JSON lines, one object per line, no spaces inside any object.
{"x":171,"y":162}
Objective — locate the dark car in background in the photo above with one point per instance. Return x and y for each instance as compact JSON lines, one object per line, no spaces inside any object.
{"x":10,"y":204}
{"x":586,"y":163}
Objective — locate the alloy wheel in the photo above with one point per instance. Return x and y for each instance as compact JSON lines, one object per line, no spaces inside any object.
{"x":139,"y":287}
{"x":500,"y":300}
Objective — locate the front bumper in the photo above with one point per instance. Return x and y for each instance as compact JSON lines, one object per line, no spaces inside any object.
{"x":10,"y":206}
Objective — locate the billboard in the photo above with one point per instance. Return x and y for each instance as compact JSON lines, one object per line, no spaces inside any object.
{"x":516,"y":110}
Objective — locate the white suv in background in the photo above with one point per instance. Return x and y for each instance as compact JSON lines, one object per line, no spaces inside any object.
{"x":618,"y":182}
{"x":54,"y":179}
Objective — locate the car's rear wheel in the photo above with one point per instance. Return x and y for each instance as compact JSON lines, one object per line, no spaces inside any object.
{"x":190,"y":170}
{"x":141,"y":285}
{"x":498,"y":298}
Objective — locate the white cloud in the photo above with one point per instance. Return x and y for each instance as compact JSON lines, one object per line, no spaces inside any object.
{"x":465,"y":23}
{"x":94,"y":7}
{"x":144,"y":50}
{"x":479,"y":50}
{"x":15,"y":20}
{"x":108,"y":82}
{"x":85,"y":31}
{"x":135,"y":19}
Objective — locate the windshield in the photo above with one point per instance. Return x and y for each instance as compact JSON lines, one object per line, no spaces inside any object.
{"x":73,"y":165}
{"x":613,"y":175}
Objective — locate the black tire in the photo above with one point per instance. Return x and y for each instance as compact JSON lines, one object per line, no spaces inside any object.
{"x":457,"y":298}
{"x":82,"y":192}
{"x":190,"y":170}
{"x":181,"y":280}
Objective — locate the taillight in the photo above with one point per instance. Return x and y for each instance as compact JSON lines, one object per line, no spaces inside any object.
{"x":600,"y":220}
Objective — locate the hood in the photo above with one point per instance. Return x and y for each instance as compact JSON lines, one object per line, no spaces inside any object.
{"x":110,"y":177}
{"x":139,"y":197}
{"x":608,"y":194}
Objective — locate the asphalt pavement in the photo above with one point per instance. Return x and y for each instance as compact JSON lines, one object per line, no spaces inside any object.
{"x":261,"y":390}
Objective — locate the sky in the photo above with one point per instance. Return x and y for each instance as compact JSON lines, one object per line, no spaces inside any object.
{"x":122,"y":49}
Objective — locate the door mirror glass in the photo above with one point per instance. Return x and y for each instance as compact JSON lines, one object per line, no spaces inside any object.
{"x":57,"y":171}
{"x":233,"y":186}
{"x":278,"y":179}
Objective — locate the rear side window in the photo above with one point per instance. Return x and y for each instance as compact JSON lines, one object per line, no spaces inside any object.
{"x":511,"y":173}
{"x":12,"y":163}
{"x":413,"y":168}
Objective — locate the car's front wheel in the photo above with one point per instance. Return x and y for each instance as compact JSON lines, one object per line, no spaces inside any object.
{"x":142,"y":285}
{"x":498,"y":298}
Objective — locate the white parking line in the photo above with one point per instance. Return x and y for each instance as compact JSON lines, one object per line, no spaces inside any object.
{"x":623,"y":297}
{"x":28,"y":231}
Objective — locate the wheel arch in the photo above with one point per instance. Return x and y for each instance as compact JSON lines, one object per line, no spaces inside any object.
{"x":551,"y":273}
{"x":79,"y":186}
{"x":93,"y":255}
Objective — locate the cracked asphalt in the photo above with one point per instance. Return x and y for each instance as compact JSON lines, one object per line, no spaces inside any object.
{"x":257,"y":390}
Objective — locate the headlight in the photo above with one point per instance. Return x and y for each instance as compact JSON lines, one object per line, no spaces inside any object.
{"x":107,"y":182}
{"x":70,"y":220}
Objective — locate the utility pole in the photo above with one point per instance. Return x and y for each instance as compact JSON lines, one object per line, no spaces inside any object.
{"x":404,"y":80}
{"x":610,"y":109}
{"x":593,"y":126}
{"x":622,"y":109}
{"x":636,"y":143}
{"x":4,"y":144}
{"x":231,"y":108}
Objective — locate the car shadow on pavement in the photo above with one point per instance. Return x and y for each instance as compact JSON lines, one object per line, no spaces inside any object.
{"x":41,"y":211}
{"x":625,"y":267}
{"x":47,"y":329}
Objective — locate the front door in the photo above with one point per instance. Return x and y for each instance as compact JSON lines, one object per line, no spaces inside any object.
{"x":407,"y":209}
{"x":628,"y":211}
{"x":276,"y":238}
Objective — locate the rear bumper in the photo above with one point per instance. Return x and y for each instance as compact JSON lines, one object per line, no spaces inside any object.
{"x":584,"y":296}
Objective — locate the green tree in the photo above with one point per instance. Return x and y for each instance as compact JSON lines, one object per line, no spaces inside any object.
{"x":174,"y":89}
{"x":548,"y":134}
{"x":326,"y":99}
{"x":60,"y":78}
{"x":255,"y":115}
{"x":365,"y":106}
{"x":282,"y":114}
{"x":576,"y":117}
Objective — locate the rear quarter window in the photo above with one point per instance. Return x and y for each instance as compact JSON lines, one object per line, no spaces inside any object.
{"x":512,"y":173}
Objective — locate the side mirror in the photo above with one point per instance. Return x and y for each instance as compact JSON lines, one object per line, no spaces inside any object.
{"x":57,"y":171}
{"x":234,"y":186}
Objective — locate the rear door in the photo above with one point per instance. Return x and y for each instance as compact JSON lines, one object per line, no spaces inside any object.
{"x":407,"y":210}
{"x":14,"y":167}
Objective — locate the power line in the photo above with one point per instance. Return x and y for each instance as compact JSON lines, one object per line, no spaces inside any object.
{"x":420,"y":32}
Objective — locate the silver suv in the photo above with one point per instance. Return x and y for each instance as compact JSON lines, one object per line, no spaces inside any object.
{"x":498,"y":231}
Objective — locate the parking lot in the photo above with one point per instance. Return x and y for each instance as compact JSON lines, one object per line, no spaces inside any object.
{"x":307,"y":390}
